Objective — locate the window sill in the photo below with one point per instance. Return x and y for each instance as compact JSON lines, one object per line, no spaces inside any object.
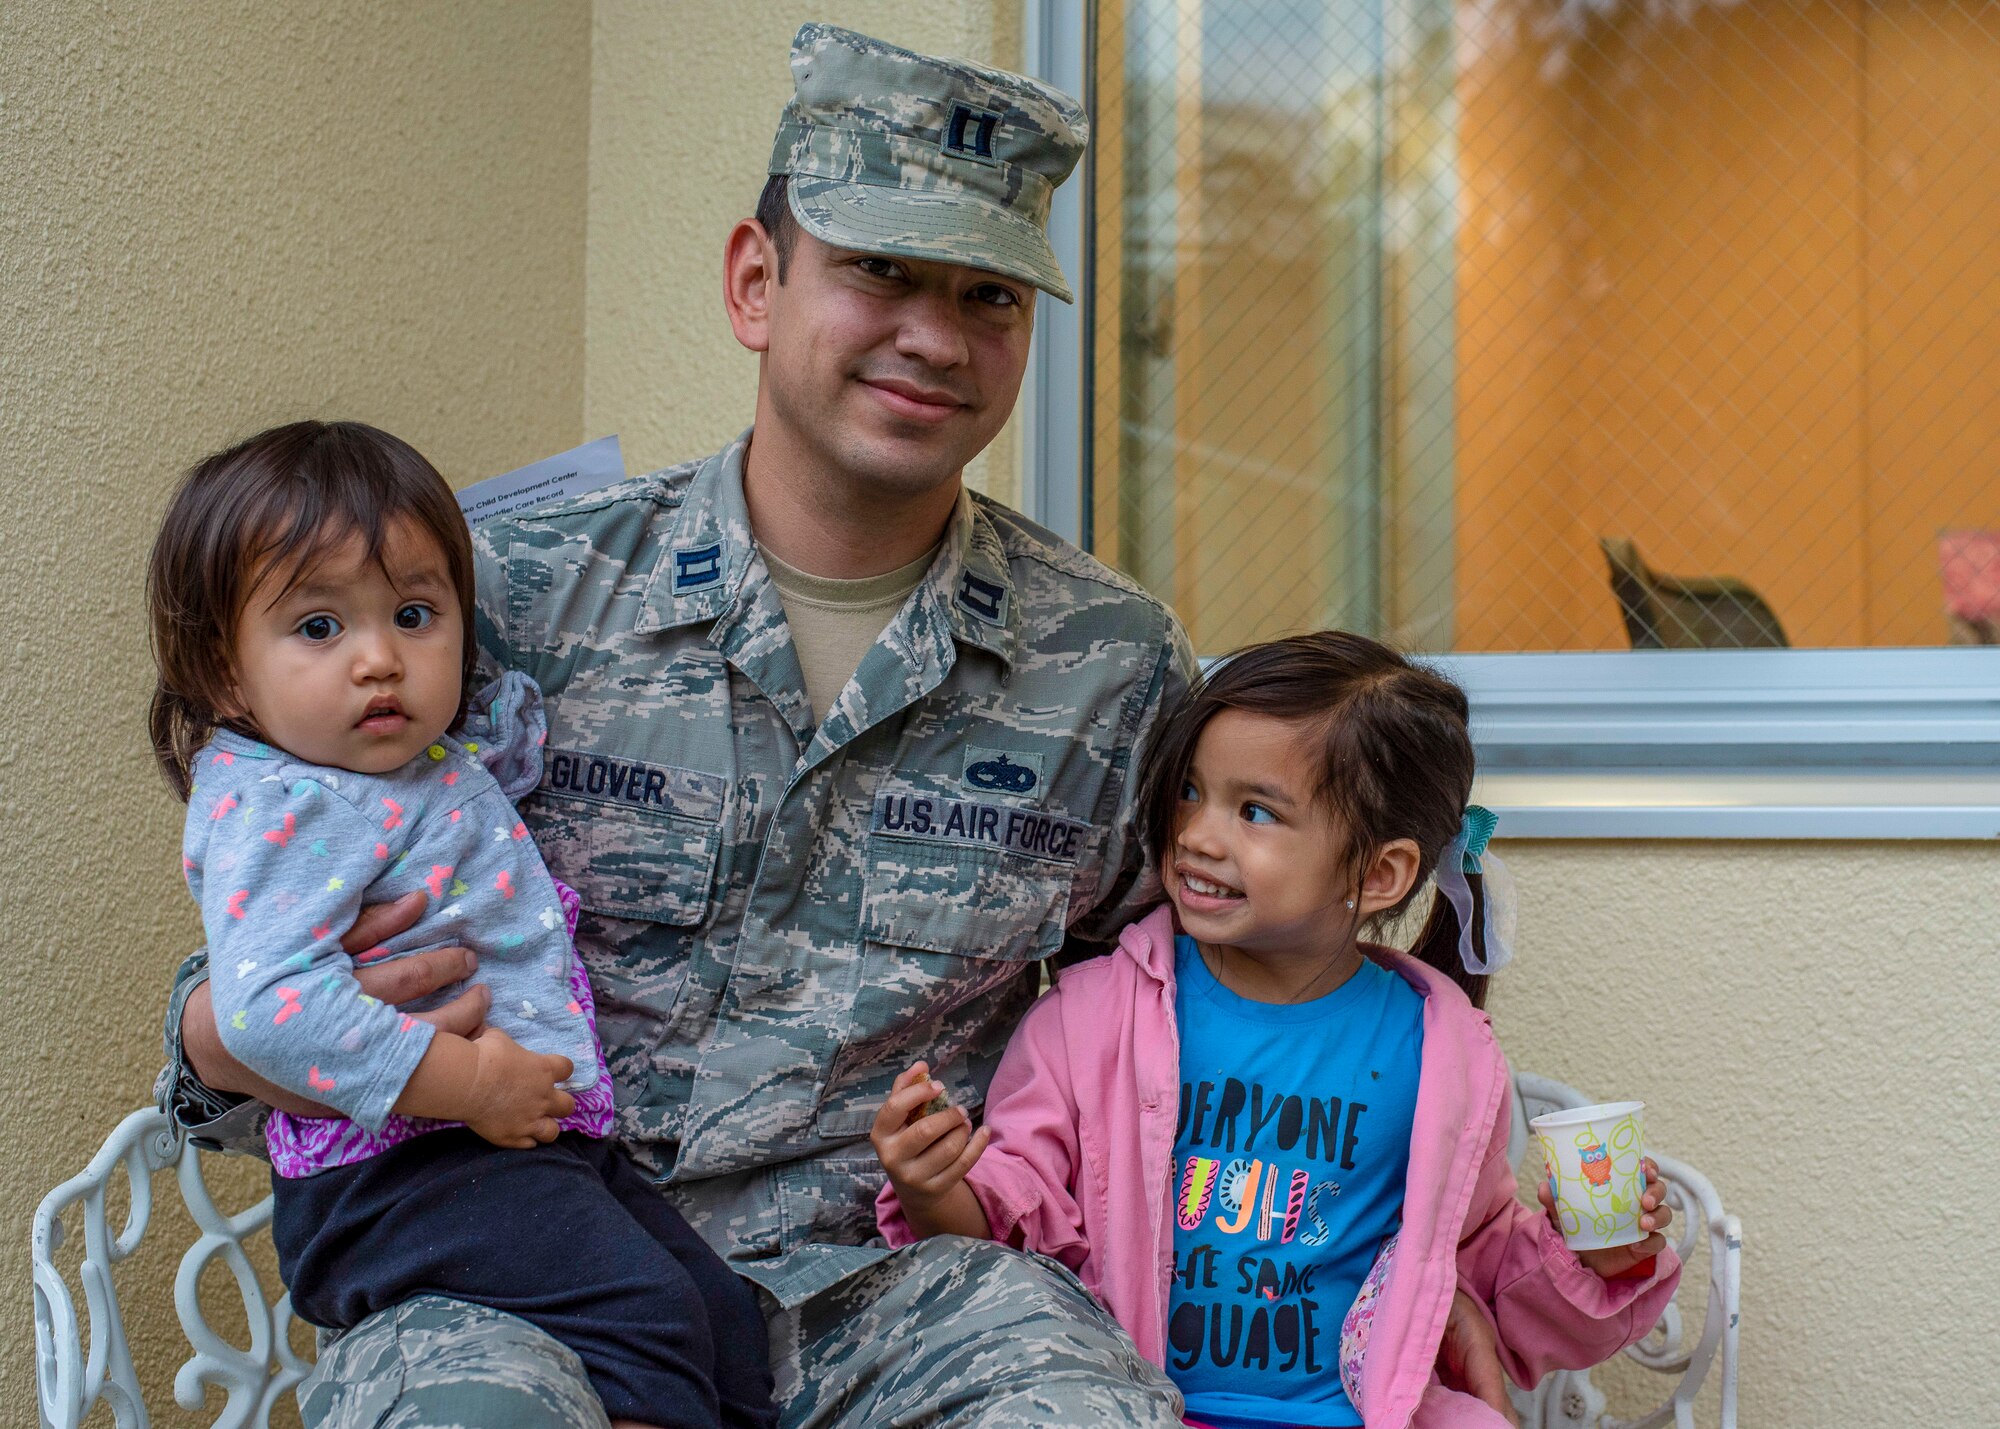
{"x":1742,"y":804}
{"x":1777,"y":744}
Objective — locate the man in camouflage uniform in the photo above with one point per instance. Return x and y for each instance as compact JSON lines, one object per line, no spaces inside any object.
{"x":782,"y":911}
{"x":784,"y":906}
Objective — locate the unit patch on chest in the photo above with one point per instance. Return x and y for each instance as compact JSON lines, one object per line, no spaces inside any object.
{"x":934,"y":818}
{"x":1002,"y":771}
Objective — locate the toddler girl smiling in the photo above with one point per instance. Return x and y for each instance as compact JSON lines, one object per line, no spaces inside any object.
{"x":1275,"y":1150}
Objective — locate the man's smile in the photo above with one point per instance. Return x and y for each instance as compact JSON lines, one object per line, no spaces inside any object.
{"x":915,"y":401}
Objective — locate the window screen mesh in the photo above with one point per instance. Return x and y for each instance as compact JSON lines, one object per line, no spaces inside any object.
{"x":1551,"y":324}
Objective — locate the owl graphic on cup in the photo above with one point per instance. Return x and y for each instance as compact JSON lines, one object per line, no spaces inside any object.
{"x":1594,"y":1173}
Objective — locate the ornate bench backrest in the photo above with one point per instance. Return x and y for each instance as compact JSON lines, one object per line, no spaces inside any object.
{"x":71,"y":1377}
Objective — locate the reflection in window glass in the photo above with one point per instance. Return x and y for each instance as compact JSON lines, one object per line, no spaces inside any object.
{"x":1551,"y":324}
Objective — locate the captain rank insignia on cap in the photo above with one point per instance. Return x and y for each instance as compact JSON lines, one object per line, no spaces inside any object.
{"x":919,"y":156}
{"x":971,"y":131}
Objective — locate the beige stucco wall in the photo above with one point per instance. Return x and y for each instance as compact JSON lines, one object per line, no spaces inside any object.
{"x":1812,"y":1026}
{"x":214,"y":216}
{"x":684,"y":100}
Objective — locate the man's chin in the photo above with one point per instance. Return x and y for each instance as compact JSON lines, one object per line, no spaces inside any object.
{"x":911,"y":464}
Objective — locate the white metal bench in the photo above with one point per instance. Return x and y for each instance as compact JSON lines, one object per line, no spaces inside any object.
{"x":74,"y":1373}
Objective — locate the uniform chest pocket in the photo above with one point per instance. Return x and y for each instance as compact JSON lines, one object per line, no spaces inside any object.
{"x":950,"y":939}
{"x":969,"y":877}
{"x":974,"y":903}
{"x":634,"y":863}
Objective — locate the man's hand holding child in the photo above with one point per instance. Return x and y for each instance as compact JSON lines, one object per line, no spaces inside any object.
{"x":486,"y":1079}
{"x":927,"y":1155}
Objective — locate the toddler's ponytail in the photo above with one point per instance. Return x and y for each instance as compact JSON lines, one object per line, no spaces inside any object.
{"x":1437,"y":945}
{"x":1469,"y":933}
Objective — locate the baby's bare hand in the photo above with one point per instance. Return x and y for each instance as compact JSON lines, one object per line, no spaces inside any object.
{"x":517,"y":1102}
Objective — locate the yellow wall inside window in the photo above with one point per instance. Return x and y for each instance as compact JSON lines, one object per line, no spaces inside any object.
{"x":1727,"y":288}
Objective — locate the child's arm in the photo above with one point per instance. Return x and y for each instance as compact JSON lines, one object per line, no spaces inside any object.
{"x":1022,"y":1179}
{"x":402,"y":980}
{"x":927,"y":1156}
{"x":1551,"y":1311}
{"x":282,"y":869}
{"x":493,"y":1084}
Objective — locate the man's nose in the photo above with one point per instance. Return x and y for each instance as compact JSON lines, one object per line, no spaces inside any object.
{"x":931,"y":330}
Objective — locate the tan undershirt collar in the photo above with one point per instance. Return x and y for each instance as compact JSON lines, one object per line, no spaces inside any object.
{"x":834,"y":622}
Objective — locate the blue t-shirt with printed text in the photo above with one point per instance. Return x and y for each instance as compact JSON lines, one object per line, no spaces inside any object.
{"x":1289,"y":1168}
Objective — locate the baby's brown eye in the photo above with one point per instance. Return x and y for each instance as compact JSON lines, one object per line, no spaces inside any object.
{"x":317,"y":628}
{"x":414,"y":617}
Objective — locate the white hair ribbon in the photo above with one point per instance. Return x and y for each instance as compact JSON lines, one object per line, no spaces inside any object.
{"x":1467,"y":853}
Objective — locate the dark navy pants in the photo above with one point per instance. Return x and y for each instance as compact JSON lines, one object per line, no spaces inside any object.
{"x":570,"y":1237}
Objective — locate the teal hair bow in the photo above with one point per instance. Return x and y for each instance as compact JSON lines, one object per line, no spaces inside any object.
{"x":1478,"y":827}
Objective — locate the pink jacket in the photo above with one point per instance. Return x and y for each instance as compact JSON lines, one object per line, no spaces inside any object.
{"x":1082,"y":1114}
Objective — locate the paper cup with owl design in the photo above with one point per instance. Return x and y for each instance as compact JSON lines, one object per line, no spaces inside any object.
{"x":1592,"y":1157}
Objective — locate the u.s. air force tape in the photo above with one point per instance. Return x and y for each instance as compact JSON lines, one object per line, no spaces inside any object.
{"x":976,"y":824}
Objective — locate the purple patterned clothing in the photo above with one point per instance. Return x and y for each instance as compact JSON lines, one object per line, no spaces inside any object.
{"x":301,"y":1145}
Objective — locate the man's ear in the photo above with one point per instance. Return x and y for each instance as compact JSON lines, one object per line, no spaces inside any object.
{"x":749,"y":273}
{"x":1389,"y":877}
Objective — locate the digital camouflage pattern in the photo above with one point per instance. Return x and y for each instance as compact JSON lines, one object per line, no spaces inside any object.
{"x":433,"y":1363}
{"x":779,"y":918}
{"x":958,"y":1333}
{"x":947,"y":1333}
{"x":917,"y":157}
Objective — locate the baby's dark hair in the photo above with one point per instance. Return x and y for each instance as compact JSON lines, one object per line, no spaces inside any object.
{"x":1394,"y":750}
{"x":265,"y":510}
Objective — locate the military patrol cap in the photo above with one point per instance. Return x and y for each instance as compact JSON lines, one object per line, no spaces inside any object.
{"x":903,"y":154}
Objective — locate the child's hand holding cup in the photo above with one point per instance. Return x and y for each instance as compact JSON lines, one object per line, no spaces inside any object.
{"x":1603,"y":1193}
